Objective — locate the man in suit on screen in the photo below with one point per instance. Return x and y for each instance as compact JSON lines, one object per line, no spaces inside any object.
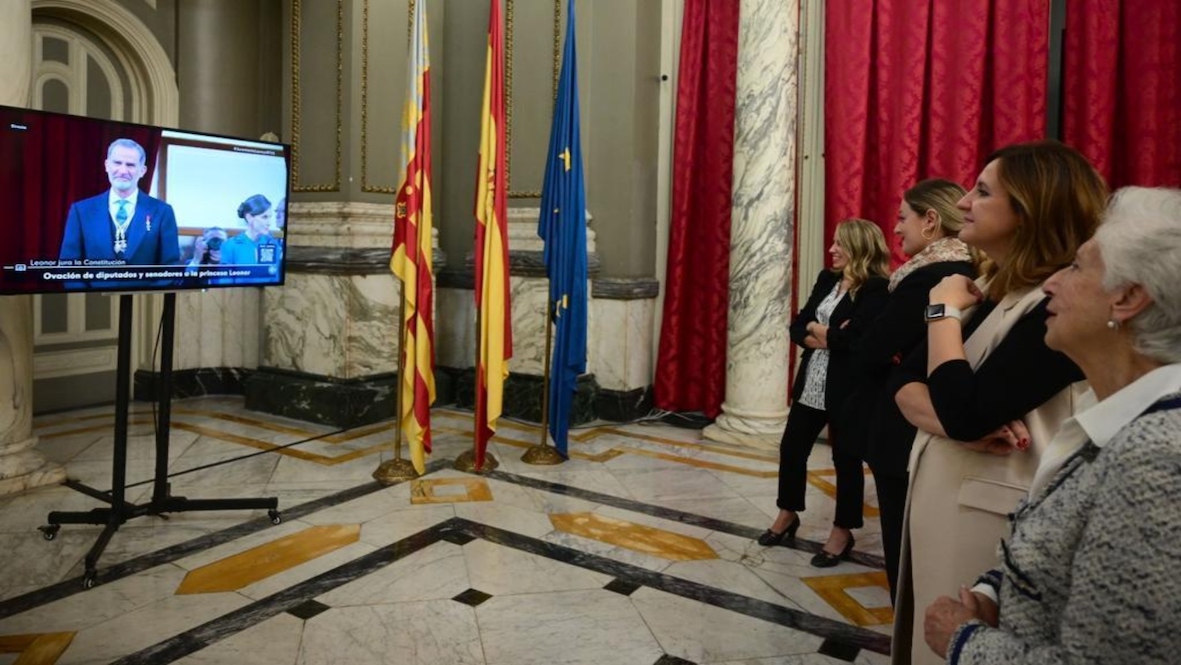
{"x":123,"y":225}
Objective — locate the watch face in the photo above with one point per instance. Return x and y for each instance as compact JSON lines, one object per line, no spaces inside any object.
{"x":935,"y":312}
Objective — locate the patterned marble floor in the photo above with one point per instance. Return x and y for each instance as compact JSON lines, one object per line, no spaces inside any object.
{"x":639,"y":550}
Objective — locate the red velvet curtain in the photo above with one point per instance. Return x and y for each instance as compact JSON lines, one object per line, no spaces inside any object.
{"x":691,"y":364}
{"x":1121,"y":102}
{"x":45,"y":167}
{"x":917,"y":89}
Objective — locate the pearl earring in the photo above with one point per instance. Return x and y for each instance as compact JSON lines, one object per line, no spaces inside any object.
{"x":1112,"y":324}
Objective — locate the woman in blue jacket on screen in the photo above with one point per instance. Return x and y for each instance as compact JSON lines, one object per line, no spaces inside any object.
{"x":255,"y":246}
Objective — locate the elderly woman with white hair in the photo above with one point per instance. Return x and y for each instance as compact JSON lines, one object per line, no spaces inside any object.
{"x":1089,"y":572}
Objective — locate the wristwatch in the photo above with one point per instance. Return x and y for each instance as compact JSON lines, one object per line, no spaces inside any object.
{"x":938,"y":311}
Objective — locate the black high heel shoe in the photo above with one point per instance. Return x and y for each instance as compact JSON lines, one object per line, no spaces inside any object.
{"x":769,"y":537}
{"x":825,"y":560}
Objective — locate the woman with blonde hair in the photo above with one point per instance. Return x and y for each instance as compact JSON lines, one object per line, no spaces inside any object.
{"x":985,"y":392}
{"x":928,"y":226}
{"x":844,"y":300}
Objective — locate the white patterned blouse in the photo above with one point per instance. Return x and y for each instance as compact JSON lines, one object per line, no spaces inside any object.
{"x":813,"y":393}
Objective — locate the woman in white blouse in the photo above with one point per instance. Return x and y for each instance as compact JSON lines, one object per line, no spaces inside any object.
{"x":845,"y":300}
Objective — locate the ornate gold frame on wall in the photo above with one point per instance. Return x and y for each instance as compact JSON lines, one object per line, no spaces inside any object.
{"x":365,"y":186}
{"x":508,"y":88}
{"x":296,"y":20}
{"x":508,"y":84}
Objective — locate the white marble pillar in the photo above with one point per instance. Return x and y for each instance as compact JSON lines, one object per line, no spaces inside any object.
{"x":755,"y":408}
{"x":21,"y":466}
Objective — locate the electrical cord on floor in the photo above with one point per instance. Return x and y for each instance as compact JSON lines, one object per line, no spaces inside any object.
{"x":156,"y":427}
{"x":247,"y":456}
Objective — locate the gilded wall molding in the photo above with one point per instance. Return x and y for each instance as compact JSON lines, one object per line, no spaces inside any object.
{"x":365,"y":186}
{"x":296,"y":47}
{"x":508,"y":92}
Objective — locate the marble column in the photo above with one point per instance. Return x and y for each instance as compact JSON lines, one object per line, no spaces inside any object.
{"x":755,"y":409}
{"x":21,"y":466}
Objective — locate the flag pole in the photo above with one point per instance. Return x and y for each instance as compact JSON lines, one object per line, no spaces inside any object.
{"x":397,"y":470}
{"x":466,"y":461}
{"x":542,"y":453}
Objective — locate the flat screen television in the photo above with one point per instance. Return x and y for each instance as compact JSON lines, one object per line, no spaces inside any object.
{"x":97,"y":205}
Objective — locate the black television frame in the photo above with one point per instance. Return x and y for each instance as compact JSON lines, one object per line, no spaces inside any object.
{"x":50,"y":230}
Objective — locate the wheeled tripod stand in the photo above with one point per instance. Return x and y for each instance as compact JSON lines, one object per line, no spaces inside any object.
{"x":120,"y":511}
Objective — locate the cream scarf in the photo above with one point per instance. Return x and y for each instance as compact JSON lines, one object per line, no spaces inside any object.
{"x":943,"y":249}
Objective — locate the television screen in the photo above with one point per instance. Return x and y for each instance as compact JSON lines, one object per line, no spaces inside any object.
{"x":99,"y":205}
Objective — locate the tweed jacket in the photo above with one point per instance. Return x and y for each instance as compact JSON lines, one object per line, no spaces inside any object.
{"x":1089,"y":572}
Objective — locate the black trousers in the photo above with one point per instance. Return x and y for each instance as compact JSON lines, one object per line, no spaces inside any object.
{"x":803,"y":426}
{"x":892,"y":506}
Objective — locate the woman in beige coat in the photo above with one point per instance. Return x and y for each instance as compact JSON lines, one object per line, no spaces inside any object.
{"x":985,"y":375}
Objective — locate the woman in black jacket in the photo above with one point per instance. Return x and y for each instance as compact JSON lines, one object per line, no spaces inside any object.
{"x":846,"y":297}
{"x":928,"y":226}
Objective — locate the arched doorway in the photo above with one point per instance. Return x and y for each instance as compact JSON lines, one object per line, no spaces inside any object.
{"x":92,"y":58}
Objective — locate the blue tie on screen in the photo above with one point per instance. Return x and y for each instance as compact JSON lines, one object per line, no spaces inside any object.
{"x":121,"y":215}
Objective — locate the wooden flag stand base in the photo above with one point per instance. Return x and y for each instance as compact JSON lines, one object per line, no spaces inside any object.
{"x":466,"y":462}
{"x":543,"y":454}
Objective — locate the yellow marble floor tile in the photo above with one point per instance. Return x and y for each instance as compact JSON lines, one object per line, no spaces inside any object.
{"x":431,"y":490}
{"x":635,"y":537}
{"x":832,"y":589}
{"x":258,"y":563}
{"x":36,"y":648}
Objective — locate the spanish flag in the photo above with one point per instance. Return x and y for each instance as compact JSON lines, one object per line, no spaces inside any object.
{"x":492,"y":280}
{"x":411,"y":258}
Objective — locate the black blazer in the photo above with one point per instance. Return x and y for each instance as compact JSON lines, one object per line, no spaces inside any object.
{"x":875,"y":427}
{"x":858,"y":311}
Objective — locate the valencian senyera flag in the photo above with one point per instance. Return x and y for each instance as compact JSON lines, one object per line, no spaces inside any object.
{"x":411,"y":258}
{"x":492,"y":279}
{"x":563,"y":228}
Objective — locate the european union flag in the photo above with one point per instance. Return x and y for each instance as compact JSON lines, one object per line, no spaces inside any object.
{"x":563,"y":228}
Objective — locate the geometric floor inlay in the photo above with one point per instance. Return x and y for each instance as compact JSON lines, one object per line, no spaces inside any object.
{"x":834,"y":590}
{"x":258,"y":563}
{"x":37,"y":648}
{"x":472,"y":597}
{"x":635,"y":537}
{"x":449,"y":490}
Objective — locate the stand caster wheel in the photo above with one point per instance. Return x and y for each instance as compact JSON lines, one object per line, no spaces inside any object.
{"x":276,"y":518}
{"x":89,"y":580}
{"x":49,"y":531}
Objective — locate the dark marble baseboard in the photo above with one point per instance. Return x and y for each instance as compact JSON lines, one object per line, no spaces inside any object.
{"x":331,"y":401}
{"x":195,"y":382}
{"x":623,"y":405}
{"x":625,"y":288}
{"x":322,"y":399}
{"x":522,"y":263}
{"x":347,"y":261}
{"x":523,"y":395}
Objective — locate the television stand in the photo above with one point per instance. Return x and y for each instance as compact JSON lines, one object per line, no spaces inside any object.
{"x":162,"y":502}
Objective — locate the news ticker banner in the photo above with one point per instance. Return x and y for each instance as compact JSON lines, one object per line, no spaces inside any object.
{"x":114,"y":271}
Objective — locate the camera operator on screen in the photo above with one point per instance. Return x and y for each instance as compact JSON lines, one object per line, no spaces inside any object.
{"x":122,"y":226}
